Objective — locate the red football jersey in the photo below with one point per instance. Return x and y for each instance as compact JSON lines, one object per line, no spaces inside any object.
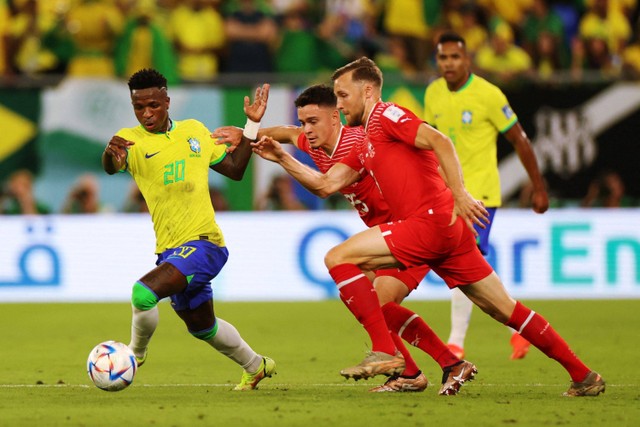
{"x":407,"y":176}
{"x":363,"y":195}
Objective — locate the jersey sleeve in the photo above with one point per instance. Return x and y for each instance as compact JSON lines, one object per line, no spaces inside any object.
{"x":400,"y":123}
{"x":499,"y":111}
{"x":353,"y":160}
{"x":303,"y":143}
{"x":219,"y":152}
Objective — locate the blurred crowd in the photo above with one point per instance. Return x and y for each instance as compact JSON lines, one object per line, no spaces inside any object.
{"x":17,"y":197}
{"x":197,"y":40}
{"x":201,"y":40}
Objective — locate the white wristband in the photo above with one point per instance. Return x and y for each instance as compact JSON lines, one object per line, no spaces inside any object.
{"x":251,"y":129}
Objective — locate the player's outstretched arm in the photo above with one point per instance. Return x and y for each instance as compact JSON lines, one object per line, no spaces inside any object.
{"x":228,"y":135}
{"x":115,"y":154}
{"x":465,"y":205}
{"x":518,"y":138}
{"x":232,"y":136}
{"x":255,"y":111}
{"x":322,"y":185}
{"x":235,"y":163}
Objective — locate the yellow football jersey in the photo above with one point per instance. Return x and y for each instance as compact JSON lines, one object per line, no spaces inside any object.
{"x":172,"y":172}
{"x":472,"y":118}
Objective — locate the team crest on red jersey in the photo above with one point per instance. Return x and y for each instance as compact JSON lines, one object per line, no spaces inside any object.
{"x":371,"y":152}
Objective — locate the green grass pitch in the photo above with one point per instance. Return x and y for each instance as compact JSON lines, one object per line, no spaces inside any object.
{"x":43,"y":380}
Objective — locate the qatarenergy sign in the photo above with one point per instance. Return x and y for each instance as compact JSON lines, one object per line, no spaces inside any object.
{"x":278,"y":256}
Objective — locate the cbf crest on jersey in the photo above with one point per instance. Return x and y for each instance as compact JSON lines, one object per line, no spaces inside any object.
{"x":467,"y":117}
{"x":194,"y":144}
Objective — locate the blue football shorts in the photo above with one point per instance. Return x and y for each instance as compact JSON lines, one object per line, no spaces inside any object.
{"x":483,"y":233}
{"x":203,"y":261}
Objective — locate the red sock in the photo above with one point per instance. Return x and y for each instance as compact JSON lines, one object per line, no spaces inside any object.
{"x":410,"y":367}
{"x":415,"y":331}
{"x":539,"y":332}
{"x":358,"y":294}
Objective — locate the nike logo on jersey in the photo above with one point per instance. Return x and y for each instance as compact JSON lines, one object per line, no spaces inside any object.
{"x":148,"y":156}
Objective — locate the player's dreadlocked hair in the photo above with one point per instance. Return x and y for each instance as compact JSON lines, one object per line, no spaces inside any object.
{"x":363,"y":69}
{"x":451,"y":37}
{"x":321,"y":95}
{"x":146,"y":78}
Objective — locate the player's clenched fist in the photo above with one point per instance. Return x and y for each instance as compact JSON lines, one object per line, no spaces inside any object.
{"x":117,"y":148}
{"x":115,"y":154}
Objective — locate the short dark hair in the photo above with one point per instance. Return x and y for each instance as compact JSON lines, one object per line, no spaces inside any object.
{"x":321,"y":95}
{"x":450,"y":36}
{"x":146,"y":78}
{"x":363,"y":69}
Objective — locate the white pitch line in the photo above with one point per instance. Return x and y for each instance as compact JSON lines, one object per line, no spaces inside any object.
{"x":172,"y":385}
{"x":272,"y":385}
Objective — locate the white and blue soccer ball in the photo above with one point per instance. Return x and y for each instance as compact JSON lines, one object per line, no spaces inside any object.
{"x":112,"y":366}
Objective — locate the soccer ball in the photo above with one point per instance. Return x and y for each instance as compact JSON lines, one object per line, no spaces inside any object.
{"x":111,"y":366}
